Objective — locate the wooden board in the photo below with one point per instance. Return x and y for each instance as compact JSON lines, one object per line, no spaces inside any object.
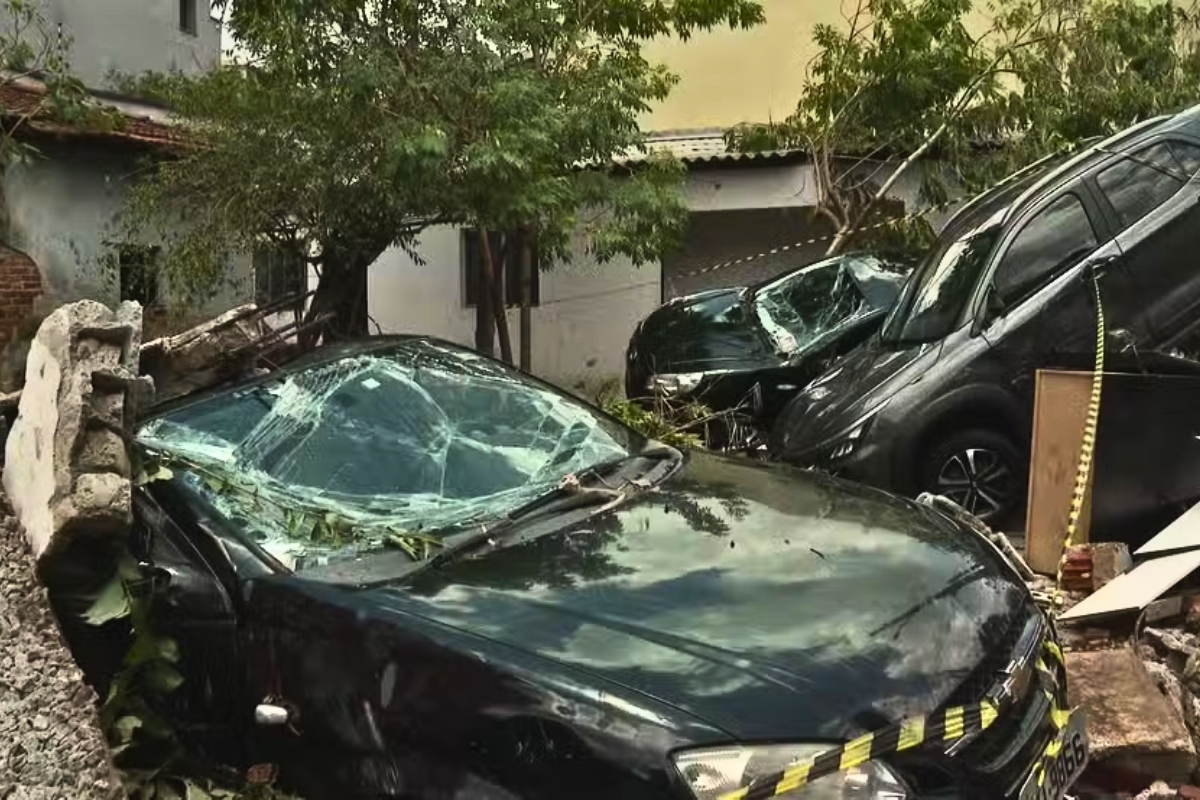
{"x":1059,"y":413}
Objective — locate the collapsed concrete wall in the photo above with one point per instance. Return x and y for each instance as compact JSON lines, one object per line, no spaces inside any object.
{"x":67,"y":475}
{"x":67,"y":471}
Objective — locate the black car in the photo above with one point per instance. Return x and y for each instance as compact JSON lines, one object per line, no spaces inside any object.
{"x":751,"y":349}
{"x":942,"y":399}
{"x":398,"y":569}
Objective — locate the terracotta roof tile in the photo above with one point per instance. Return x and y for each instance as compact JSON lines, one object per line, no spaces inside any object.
{"x":19,"y":101}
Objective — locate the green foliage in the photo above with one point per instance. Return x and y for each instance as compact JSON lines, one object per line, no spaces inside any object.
{"x":142,"y":742}
{"x":906,"y":81}
{"x":308,"y":523}
{"x":357,"y":123}
{"x":675,"y":424}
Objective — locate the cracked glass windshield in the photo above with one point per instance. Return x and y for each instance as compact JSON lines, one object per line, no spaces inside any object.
{"x":384,"y":448}
{"x":808,"y":304}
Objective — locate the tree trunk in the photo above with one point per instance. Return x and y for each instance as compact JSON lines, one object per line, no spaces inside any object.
{"x":494,"y":288}
{"x":341,"y":292}
{"x":526,"y":262}
{"x":485,"y":320}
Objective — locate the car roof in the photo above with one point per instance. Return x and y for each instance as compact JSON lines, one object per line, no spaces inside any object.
{"x":1050,"y":173}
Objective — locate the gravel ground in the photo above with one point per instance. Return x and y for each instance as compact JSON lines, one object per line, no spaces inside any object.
{"x":51,"y":747}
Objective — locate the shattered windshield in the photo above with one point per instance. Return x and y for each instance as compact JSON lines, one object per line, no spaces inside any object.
{"x":383,"y":448}
{"x":805,"y":305}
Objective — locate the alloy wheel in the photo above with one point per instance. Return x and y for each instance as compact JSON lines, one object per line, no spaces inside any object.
{"x":978,"y":479}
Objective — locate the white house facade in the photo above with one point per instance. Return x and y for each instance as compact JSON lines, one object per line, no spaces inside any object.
{"x":741,"y":205}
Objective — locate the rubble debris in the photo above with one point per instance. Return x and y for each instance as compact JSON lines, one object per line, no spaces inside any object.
{"x":1077,"y":569}
{"x":1159,"y":790}
{"x":1163,"y":609}
{"x":51,"y":746}
{"x":1138,"y":588}
{"x":961,"y":515}
{"x":1109,"y":559}
{"x":210,"y":353}
{"x":1131,"y":723}
{"x":66,"y":472}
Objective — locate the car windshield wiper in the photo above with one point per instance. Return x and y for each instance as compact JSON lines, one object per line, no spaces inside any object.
{"x":570,"y":494}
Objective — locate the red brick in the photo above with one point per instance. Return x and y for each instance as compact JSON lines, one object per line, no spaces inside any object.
{"x":20,"y":287}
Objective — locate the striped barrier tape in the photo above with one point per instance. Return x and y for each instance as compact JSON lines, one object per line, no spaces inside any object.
{"x":943,"y":727}
{"x":1087,"y":449}
{"x":934,"y":209}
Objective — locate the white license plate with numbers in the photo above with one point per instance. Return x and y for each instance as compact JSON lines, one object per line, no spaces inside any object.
{"x":1063,"y":770}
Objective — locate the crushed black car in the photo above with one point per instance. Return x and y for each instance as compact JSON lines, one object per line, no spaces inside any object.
{"x":941,"y":400}
{"x":748,"y":350}
{"x":396,"y":568}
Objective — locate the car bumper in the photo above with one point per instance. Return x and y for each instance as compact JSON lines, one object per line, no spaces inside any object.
{"x":999,"y":762}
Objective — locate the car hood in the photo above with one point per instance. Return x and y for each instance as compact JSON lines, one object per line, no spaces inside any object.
{"x":852,"y":388}
{"x":764,"y":601}
{"x":683,"y":335}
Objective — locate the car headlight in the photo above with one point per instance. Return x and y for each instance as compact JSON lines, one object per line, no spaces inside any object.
{"x":674,"y":385}
{"x":842,"y":446}
{"x":714,"y":772}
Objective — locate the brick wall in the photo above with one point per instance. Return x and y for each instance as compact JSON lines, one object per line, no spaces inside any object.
{"x":20,"y":287}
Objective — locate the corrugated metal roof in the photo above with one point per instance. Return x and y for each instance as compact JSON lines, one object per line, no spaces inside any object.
{"x":699,"y":146}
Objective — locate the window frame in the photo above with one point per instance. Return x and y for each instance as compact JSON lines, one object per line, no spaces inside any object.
{"x":510,"y":270}
{"x":1101,"y":227}
{"x":277,"y":258}
{"x":152,"y":254}
{"x":1171,"y":143}
{"x":189,"y":17}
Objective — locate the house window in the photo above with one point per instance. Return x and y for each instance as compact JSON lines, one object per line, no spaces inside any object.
{"x":278,"y":273}
{"x":506,"y":249}
{"x":138,"y":265}
{"x":187,"y":17}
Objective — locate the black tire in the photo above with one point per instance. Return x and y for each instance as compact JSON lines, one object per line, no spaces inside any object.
{"x":981,"y":470}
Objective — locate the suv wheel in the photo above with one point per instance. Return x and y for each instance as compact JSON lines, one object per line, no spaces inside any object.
{"x":981,"y":470}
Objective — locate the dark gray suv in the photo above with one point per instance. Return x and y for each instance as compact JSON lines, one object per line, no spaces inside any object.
{"x":941,"y":400}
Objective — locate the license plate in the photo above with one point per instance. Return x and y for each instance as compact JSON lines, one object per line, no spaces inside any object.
{"x":1061,"y":771}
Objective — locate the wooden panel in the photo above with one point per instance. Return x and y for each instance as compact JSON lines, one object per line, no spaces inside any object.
{"x":1060,"y":411}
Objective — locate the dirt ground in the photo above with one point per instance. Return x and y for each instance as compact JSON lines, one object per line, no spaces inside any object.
{"x":50,"y":745}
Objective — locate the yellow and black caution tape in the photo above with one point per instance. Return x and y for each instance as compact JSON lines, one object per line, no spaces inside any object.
{"x":1087,"y":449}
{"x":943,"y":727}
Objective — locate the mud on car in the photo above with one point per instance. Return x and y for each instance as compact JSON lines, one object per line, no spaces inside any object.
{"x":399,"y":569}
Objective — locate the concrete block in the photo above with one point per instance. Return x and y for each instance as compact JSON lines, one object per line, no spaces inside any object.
{"x":1131,"y":723}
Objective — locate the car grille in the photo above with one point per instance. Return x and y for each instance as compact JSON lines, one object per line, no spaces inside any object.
{"x":995,"y":763}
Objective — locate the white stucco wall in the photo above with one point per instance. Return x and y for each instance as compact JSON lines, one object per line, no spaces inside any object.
{"x":588,"y":310}
{"x":62,"y":208}
{"x":133,"y":36}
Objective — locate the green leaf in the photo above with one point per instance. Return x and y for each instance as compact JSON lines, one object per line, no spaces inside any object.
{"x":157,"y":473}
{"x":112,"y":603}
{"x":168,"y":650}
{"x":161,"y":679}
{"x":124,"y":728}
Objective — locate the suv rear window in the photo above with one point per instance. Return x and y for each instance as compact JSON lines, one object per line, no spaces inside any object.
{"x":1143,"y":181}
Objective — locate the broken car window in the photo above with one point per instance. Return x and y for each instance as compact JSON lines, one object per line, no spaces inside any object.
{"x":343,"y":457}
{"x":808,"y":304}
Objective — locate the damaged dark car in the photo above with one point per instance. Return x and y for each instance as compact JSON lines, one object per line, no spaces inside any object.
{"x":747,"y":351}
{"x":400,"y":569}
